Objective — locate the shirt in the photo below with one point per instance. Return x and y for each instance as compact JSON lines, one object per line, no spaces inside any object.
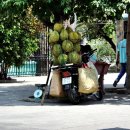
{"x":121,"y":47}
{"x":93,"y":58}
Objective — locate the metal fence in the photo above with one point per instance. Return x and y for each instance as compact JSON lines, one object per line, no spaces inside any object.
{"x":38,"y":64}
{"x":35,"y":66}
{"x":28,"y":68}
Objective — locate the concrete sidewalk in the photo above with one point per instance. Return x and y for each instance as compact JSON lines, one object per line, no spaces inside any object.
{"x":108,"y":80}
{"x":25,"y":87}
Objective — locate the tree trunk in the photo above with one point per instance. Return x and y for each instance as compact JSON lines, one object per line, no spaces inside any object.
{"x":128,"y":54}
{"x":3,"y":72}
{"x":107,"y":38}
{"x":110,"y":42}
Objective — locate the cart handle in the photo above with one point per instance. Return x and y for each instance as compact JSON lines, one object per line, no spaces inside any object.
{"x":60,"y":67}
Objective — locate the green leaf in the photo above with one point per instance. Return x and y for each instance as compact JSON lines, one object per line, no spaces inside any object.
{"x":52,"y":17}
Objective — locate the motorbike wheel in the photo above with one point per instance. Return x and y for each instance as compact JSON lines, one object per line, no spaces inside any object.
{"x":98,"y":95}
{"x":73,"y":96}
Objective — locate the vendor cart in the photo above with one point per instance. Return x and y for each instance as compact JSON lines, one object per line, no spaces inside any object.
{"x":102,"y":68}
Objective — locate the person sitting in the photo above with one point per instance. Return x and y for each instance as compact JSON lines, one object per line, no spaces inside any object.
{"x":88,"y":50}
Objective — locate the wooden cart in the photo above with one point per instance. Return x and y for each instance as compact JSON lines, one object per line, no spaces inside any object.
{"x":102,"y":68}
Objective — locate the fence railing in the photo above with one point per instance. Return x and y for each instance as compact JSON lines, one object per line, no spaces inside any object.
{"x":38,"y":64}
{"x":35,"y":66}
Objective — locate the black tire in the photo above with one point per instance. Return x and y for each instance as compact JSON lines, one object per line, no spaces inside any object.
{"x":98,"y":95}
{"x":73,"y":96}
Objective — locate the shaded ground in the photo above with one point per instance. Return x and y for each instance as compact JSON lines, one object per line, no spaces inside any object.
{"x":18,"y":94}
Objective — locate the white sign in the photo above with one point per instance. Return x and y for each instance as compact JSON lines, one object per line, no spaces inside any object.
{"x":66,"y":80}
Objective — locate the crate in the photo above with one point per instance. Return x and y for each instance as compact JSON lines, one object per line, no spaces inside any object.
{"x":102,"y":67}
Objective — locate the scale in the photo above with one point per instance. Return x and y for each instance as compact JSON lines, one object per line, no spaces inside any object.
{"x":38,"y":93}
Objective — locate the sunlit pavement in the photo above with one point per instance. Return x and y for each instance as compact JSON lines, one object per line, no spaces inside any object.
{"x":108,"y":80}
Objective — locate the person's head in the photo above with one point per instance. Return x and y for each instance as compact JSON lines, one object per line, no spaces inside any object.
{"x":86,"y":48}
{"x":85,"y":58}
{"x":120,"y":35}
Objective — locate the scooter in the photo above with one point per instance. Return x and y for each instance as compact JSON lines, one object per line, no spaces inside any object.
{"x":69,"y":74}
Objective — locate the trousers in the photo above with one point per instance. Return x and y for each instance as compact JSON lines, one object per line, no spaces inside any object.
{"x":122,"y":72}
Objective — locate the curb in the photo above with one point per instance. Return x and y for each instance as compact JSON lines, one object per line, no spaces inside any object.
{"x":117,"y":90}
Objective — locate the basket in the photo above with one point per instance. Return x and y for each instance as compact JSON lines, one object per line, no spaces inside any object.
{"x":102,"y":67}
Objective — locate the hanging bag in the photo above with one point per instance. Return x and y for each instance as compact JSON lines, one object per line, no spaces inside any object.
{"x":56,"y":89}
{"x":88,"y":80}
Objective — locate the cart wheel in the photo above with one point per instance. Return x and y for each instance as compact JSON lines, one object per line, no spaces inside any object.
{"x":98,"y":95}
{"x":73,"y":95}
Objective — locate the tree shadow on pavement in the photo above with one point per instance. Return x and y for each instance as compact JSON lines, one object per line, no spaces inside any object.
{"x":109,"y":98}
{"x":112,"y":99}
{"x":18,"y":95}
{"x":117,"y":128}
{"x":12,"y":94}
{"x":117,"y":99}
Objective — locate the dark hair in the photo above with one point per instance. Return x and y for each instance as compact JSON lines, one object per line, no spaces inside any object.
{"x":86,"y":48}
{"x":85,"y":58}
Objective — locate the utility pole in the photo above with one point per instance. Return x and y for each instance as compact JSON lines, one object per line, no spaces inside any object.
{"x":128,"y":54}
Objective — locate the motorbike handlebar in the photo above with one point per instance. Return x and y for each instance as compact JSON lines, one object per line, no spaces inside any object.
{"x":63,"y":66}
{"x":90,"y":52}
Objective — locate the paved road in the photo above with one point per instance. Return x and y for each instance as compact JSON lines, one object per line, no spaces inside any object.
{"x":17,"y":114}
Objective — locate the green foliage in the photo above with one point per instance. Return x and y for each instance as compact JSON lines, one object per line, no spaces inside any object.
{"x":10,"y":7}
{"x":52,"y":11}
{"x":18,"y":40}
{"x":104,"y":51}
{"x":94,"y":30}
{"x":108,"y":28}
